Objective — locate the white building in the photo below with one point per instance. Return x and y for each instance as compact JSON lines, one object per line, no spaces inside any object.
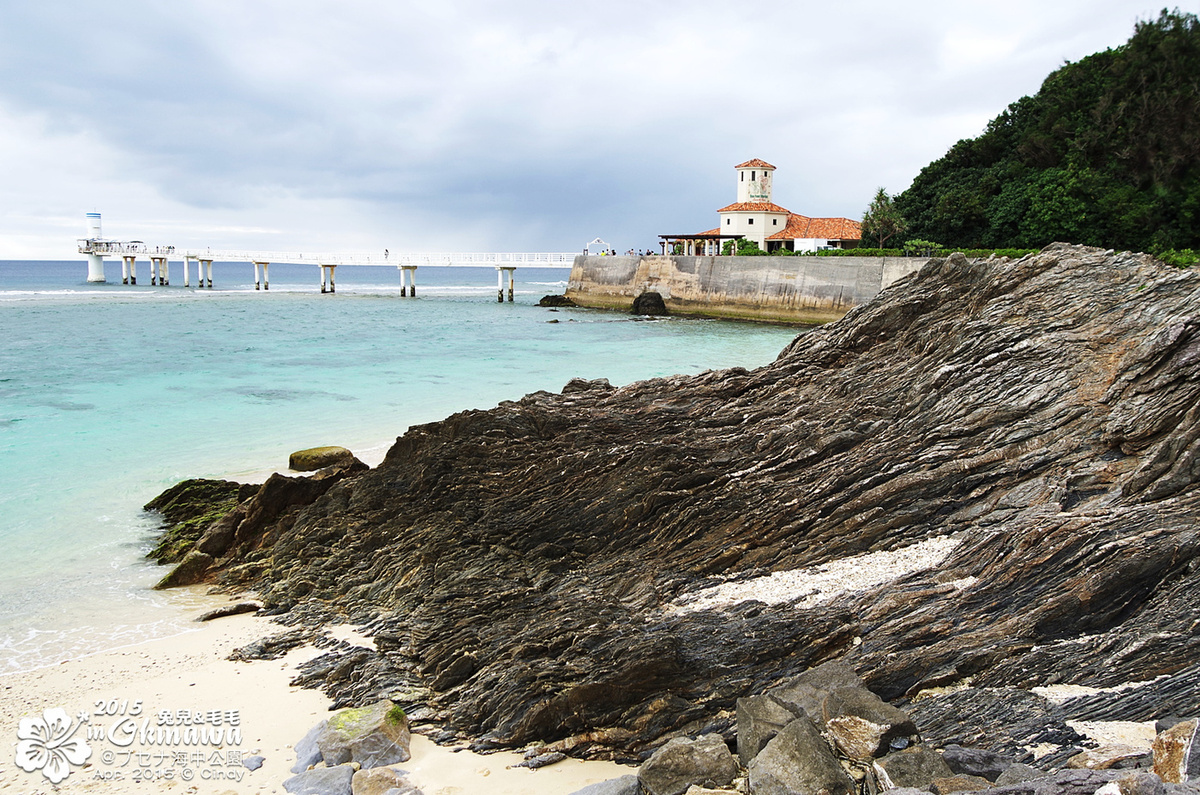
{"x":755,"y":217}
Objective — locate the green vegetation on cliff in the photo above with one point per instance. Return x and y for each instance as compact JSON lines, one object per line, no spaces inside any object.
{"x":1107,"y":153}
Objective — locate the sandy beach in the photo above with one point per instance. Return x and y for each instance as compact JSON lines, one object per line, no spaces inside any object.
{"x":189,"y":673}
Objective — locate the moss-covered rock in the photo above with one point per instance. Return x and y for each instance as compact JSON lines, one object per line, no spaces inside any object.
{"x":372,"y":736}
{"x":190,"y":507}
{"x":192,"y":569}
{"x":315,"y":458}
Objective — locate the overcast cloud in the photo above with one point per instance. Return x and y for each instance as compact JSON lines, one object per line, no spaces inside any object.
{"x":490,"y":126}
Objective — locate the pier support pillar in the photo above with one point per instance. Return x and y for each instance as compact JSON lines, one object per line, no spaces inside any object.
{"x":257,"y":283}
{"x":501,"y":272}
{"x":205,"y":267}
{"x":327,"y":273}
{"x":128,"y":269}
{"x":408,"y":280}
{"x":266,"y":279}
{"x":187,"y":271}
{"x":158,"y":265}
{"x":95,"y":268}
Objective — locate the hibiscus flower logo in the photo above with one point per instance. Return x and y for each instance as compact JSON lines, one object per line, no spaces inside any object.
{"x":47,"y":744}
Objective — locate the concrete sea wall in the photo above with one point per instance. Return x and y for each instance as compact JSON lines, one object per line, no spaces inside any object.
{"x":777,"y":289}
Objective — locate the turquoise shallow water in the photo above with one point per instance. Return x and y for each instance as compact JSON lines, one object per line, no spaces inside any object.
{"x":109,"y":394}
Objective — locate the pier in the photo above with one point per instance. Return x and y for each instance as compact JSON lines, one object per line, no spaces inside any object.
{"x":96,"y":247}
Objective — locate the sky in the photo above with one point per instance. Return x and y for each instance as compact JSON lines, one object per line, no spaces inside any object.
{"x":523,"y":126}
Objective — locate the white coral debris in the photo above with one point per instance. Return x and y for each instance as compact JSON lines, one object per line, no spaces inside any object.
{"x":819,"y":584}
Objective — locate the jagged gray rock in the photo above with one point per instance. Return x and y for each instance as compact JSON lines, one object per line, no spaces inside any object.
{"x":308,"y":753}
{"x":975,"y":762}
{"x":798,"y":761}
{"x":622,"y":785}
{"x":683,"y":762}
{"x":759,"y":718}
{"x":321,"y":781}
{"x":1018,"y":772}
{"x":916,"y":767}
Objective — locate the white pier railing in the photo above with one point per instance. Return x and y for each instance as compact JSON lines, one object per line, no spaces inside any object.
{"x":397,"y":259}
{"x":129,"y":250}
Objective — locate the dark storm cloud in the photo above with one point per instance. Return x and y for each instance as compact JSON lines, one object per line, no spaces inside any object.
{"x":528,"y":124}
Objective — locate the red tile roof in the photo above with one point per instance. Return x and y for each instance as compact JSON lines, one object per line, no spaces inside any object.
{"x":802,"y":227}
{"x":755,"y":163}
{"x":753,"y":207}
{"x":716,"y":231}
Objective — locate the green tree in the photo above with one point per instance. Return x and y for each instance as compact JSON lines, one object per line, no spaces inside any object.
{"x":1107,"y":153}
{"x":744,"y":248}
{"x":882,"y":219}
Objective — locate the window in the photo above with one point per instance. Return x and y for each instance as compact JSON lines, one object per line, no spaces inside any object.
{"x":752,"y":176}
{"x":774,"y":222}
{"x":727,"y":221}
{"x":742,"y":176}
{"x":750,"y":221}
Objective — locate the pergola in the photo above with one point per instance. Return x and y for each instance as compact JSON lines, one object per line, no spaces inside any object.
{"x":703,"y":244}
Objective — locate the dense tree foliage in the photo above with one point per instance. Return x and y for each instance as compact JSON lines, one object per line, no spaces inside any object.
{"x":1107,"y":153}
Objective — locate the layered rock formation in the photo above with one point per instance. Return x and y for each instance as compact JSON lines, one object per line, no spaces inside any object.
{"x":524,"y":570}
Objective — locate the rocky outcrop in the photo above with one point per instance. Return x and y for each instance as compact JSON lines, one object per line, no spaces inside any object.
{"x":649,"y":303}
{"x":555,"y":301}
{"x":524,"y":570}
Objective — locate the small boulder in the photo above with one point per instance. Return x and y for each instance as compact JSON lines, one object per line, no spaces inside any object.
{"x":1177,"y":752}
{"x":235,"y":609}
{"x":1110,"y":757}
{"x":949,"y":784}
{"x":975,"y":762}
{"x":624,"y":785}
{"x":315,"y":458}
{"x":798,"y":761}
{"x":759,"y":718}
{"x":373,"y":736}
{"x":805,"y":694}
{"x":378,"y":780}
{"x":683,"y":762}
{"x":917,"y":767}
{"x":555,"y":300}
{"x":649,"y":303}
{"x":865,"y":726}
{"x":253,"y":762}
{"x":1136,"y":783}
{"x":307,"y":751}
{"x":1018,"y":773}
{"x":321,"y":781}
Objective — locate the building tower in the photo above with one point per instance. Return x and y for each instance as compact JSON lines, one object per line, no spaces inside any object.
{"x":754,"y":181}
{"x":95,"y":261}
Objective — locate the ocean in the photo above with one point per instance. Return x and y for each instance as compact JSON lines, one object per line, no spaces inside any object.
{"x":109,"y":394}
